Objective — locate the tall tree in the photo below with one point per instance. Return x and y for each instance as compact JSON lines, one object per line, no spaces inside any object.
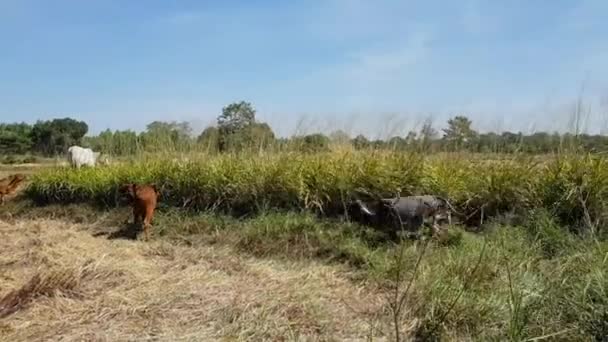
{"x":236,"y":116}
{"x":459,"y":132}
{"x":238,"y":128}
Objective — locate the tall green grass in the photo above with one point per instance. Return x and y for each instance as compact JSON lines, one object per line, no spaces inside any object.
{"x":573,"y":188}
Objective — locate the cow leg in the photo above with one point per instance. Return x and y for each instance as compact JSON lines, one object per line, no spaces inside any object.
{"x":402,"y":228}
{"x":393,"y":234}
{"x":136,"y":215}
{"x":146,"y":229}
{"x":147,"y":224}
{"x":435,"y":229}
{"x":418,"y":225}
{"x":149,"y":213}
{"x":141,"y":222}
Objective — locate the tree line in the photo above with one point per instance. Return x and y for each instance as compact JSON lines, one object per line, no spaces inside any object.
{"x":237,"y":129}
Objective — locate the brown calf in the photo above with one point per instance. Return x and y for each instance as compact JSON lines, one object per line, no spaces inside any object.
{"x":143,"y":199}
{"x":9,"y":184}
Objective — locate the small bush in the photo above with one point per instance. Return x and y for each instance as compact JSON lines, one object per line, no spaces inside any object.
{"x":543,"y":230}
{"x":10,"y":159}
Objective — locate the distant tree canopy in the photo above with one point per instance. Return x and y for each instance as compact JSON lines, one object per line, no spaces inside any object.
{"x":311,"y":143}
{"x":360,"y":142}
{"x":339,"y":137}
{"x":210,"y":139}
{"x":115,"y":143}
{"x":166,"y":136}
{"x":15,"y":138}
{"x":237,"y":129}
{"x":55,"y":136}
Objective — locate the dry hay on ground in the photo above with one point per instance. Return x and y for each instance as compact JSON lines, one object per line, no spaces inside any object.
{"x":68,"y":285}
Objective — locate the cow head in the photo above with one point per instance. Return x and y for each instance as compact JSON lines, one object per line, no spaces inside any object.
{"x":128,"y":189}
{"x":376,"y":212}
{"x":443,"y":209}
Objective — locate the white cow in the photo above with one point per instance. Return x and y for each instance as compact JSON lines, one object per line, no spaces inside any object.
{"x":78,"y":156}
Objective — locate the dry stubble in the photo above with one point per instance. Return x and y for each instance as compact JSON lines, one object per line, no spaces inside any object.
{"x":89,"y":288}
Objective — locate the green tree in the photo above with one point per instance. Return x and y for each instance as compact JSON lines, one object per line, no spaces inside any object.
{"x":15,"y":138}
{"x":239,"y":130}
{"x":162,"y":135}
{"x":511,"y":142}
{"x":312,"y":143}
{"x":260,"y":135}
{"x":397,"y":143}
{"x":55,"y":136}
{"x":360,"y":142}
{"x":209,"y":139}
{"x":256,"y":136}
{"x":117,"y":143}
{"x":235,"y":117}
{"x":459,"y":133}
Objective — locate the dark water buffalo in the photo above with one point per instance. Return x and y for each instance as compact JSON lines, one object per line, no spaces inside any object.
{"x":408,"y":213}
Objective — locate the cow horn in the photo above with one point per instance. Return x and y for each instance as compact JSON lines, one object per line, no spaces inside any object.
{"x":449,"y":205}
{"x":364,"y":208}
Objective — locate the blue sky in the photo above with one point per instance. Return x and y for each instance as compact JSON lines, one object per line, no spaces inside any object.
{"x":375,"y":66}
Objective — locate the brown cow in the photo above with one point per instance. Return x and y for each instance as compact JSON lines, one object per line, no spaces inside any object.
{"x":143,"y":199}
{"x":9,"y":184}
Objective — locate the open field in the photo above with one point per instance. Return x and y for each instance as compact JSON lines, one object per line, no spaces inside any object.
{"x":239,"y":250}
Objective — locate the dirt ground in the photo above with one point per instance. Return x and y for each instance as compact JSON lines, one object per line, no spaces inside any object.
{"x":76,"y":287}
